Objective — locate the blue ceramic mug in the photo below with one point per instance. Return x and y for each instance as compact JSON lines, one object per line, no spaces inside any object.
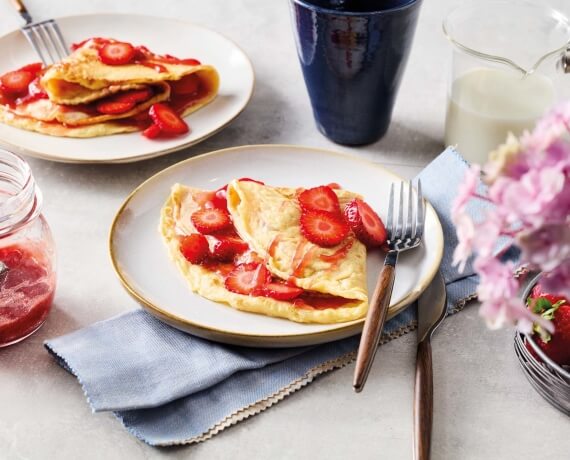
{"x":353,"y":54}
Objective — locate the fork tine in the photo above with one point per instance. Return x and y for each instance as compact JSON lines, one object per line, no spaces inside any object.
{"x":420,"y":219}
{"x":409,"y":221}
{"x":31,"y":37}
{"x":57,"y":39}
{"x":390,"y":218}
{"x":45,"y":40}
{"x":400,"y":225}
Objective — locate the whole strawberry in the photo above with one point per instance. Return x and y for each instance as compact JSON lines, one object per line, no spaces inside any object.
{"x":557,"y":309}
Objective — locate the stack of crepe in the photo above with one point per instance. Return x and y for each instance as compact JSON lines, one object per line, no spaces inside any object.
{"x":75,"y":85}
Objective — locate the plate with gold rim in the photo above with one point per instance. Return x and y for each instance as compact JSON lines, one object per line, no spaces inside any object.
{"x":176,"y":37}
{"x":141,"y":260}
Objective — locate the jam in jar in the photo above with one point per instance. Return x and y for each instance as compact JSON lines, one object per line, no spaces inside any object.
{"x":27,"y":253}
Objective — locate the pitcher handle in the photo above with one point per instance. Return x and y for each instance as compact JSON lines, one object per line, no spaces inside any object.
{"x":564,"y":62}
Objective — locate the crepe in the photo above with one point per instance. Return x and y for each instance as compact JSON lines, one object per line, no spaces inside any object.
{"x":267,"y":218}
{"x":82,"y":77}
{"x":79,"y":82}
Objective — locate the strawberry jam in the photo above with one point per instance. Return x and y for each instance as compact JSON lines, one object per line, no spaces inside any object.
{"x":27,"y":287}
{"x":27,"y":253}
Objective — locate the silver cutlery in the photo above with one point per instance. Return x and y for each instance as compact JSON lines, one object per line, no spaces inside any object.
{"x":44,"y":36}
{"x":401,"y":237}
{"x":431,"y":312}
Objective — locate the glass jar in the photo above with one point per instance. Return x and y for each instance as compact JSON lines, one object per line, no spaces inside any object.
{"x":510,"y":64}
{"x":27,"y":253}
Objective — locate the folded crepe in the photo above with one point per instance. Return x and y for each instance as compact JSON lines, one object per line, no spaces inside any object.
{"x":77,"y":84}
{"x":267,"y":219}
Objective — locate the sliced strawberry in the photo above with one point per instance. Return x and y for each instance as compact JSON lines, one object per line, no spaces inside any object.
{"x":167,"y":119}
{"x":323,"y":228}
{"x":33,"y":68}
{"x":114,"y":107}
{"x":320,"y":198}
{"x":212,"y":220}
{"x":152,"y":132}
{"x":220,"y":199}
{"x":117,"y":53}
{"x":227,"y":247}
{"x":135,"y":95}
{"x":17,"y":81}
{"x":334,"y":186}
{"x":186,"y":85}
{"x":280,"y":291}
{"x":247,"y":279}
{"x":365,"y":223}
{"x":194,"y":248}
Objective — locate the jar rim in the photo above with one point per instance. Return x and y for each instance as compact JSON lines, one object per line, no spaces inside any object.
{"x":21,"y":201}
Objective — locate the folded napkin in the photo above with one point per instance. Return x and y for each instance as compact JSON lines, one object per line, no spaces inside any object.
{"x":170,"y":388}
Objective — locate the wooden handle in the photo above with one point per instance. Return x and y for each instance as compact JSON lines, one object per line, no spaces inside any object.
{"x":19,"y":5}
{"x":373,"y":326}
{"x":21,"y":8}
{"x":423,"y":401}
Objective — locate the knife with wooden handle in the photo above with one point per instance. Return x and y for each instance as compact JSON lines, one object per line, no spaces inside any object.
{"x":432,"y":307}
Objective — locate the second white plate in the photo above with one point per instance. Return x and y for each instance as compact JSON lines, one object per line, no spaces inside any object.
{"x":141,"y":260}
{"x":161,"y":35}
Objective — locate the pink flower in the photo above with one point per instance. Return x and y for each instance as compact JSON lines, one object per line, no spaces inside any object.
{"x":497,"y":280}
{"x":499,"y":313}
{"x":549,"y":129}
{"x":529,"y":186}
{"x":487,"y":233}
{"x":558,"y":281}
{"x":467,"y":190}
{"x":546,"y":247}
{"x":497,"y":292}
{"x":524,"y":200}
{"x":465,"y":236}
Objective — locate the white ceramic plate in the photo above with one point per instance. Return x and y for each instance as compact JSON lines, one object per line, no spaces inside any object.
{"x":141,"y":261}
{"x":161,"y":35}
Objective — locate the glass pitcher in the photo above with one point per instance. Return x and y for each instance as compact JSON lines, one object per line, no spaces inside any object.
{"x":510,"y":63}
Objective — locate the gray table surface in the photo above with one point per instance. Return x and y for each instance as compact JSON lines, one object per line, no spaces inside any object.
{"x":484,"y":407}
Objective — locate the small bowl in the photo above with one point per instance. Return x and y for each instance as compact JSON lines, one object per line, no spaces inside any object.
{"x":551,"y":380}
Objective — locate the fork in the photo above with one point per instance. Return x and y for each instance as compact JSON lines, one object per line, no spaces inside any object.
{"x":400,"y":238}
{"x":44,"y":36}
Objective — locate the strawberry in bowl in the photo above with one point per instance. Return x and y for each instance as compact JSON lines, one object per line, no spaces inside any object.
{"x":557,"y":309}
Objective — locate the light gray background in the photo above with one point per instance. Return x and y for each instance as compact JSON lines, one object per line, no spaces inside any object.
{"x":484,"y":407}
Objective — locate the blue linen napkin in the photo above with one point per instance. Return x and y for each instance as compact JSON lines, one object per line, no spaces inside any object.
{"x":170,"y":388}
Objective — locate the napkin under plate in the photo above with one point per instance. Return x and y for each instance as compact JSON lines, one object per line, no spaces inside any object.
{"x":169,"y":388}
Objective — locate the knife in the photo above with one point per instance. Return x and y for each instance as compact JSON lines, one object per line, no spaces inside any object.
{"x":431,"y":312}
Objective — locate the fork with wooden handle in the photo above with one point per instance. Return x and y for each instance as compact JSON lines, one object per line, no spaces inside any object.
{"x":401,"y":237}
{"x":44,"y":36}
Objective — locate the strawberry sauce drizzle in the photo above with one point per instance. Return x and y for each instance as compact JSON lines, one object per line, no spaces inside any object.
{"x":273,"y":245}
{"x":338,"y":255}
